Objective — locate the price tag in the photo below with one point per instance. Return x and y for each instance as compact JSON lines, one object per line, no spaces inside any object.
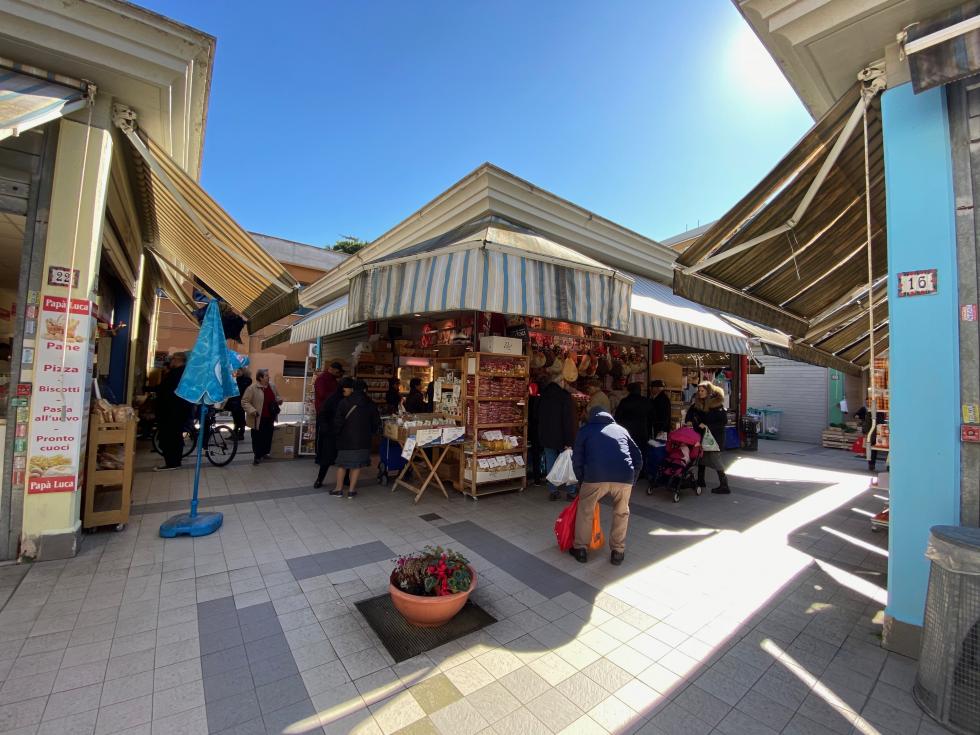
{"x":408,"y":448}
{"x":918,"y":283}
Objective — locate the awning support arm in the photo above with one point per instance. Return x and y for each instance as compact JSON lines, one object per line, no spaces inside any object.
{"x":125,"y":120}
{"x":874,"y":82}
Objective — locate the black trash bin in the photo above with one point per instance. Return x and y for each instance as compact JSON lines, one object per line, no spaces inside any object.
{"x":947,"y":685}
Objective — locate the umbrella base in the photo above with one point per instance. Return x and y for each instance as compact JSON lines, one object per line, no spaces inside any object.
{"x":184,"y":525}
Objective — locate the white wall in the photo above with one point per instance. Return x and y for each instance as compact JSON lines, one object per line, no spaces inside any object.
{"x":800,"y":390}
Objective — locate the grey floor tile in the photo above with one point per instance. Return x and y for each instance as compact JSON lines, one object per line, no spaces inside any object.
{"x":219,"y":662}
{"x":268,"y":647}
{"x":280,"y":719}
{"x":281,"y":693}
{"x":219,"y":640}
{"x":227,"y":684}
{"x":232,"y":711}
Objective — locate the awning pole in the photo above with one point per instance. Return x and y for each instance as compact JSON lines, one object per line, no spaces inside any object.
{"x":867,"y":93}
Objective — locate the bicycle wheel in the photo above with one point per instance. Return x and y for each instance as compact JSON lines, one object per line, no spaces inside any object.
{"x":190,"y":442}
{"x":222,"y":445}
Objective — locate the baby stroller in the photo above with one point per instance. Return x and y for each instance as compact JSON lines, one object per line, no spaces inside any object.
{"x":677,"y":470}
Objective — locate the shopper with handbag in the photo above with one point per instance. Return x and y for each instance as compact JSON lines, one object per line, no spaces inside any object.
{"x":355,"y":424}
{"x":262,"y":405}
{"x":607,"y":462}
{"x":708,"y":417}
{"x":556,"y":428}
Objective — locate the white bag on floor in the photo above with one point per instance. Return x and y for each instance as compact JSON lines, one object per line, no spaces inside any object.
{"x":562,"y":473}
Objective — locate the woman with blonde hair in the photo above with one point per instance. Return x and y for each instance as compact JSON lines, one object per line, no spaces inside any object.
{"x":707,"y":415}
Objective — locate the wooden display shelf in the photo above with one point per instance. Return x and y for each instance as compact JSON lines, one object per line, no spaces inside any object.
{"x":472,"y":481}
{"x":108,"y":492}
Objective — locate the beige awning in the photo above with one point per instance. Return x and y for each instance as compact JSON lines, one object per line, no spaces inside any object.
{"x":793,"y":255}
{"x":193,"y":233}
{"x":30,"y":97}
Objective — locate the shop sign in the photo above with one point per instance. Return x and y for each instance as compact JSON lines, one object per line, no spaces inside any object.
{"x":918,"y":283}
{"x":23,"y":390}
{"x":968,"y":312}
{"x":60,"y":276}
{"x":970,"y":434}
{"x":58,"y":409}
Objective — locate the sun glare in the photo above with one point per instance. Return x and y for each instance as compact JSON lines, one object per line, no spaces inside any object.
{"x":752,"y":71}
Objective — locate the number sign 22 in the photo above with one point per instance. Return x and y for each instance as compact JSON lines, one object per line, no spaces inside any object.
{"x":918,"y":283}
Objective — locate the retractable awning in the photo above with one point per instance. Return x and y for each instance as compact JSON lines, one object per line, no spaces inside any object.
{"x":191,"y":231}
{"x":793,"y":253}
{"x":328,"y":319}
{"x":658,"y":313}
{"x":30,"y":97}
{"x":492,"y":265}
{"x":170,"y":280}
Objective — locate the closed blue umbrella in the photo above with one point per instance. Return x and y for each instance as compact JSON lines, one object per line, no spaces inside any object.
{"x":208,"y":380}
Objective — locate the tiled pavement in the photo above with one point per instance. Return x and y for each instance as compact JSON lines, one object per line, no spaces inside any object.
{"x":752,"y":613}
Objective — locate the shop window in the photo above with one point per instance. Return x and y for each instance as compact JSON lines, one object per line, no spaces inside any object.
{"x":293,"y":369}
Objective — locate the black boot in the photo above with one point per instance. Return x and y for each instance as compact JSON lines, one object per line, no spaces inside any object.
{"x":722,"y":489}
{"x":321,"y":473}
{"x":581,"y":555}
{"x":701,"y":476}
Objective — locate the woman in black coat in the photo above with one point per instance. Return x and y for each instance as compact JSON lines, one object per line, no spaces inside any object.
{"x":356,"y":422}
{"x":326,"y":439}
{"x":633,"y":414}
{"x":707,"y":413}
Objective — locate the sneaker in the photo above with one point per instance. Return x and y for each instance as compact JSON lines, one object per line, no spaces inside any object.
{"x":337,"y":493}
{"x":164,"y":468}
{"x":616,"y":558}
{"x":722,"y":490}
{"x":554,"y":496}
{"x":352,"y":493}
{"x":581,"y":555}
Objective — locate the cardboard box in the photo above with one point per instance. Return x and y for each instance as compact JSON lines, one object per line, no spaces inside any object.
{"x":285,"y":441}
{"x":502,"y":345}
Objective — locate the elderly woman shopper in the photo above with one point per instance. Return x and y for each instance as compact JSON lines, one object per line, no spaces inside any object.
{"x":262,"y":405}
{"x":707,"y":414}
{"x":355,"y":423}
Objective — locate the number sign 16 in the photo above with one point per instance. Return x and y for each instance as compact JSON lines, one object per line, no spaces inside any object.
{"x":917,"y":283}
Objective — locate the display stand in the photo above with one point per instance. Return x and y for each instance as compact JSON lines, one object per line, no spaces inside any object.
{"x":880,"y":404}
{"x":307,"y":422}
{"x":424,"y":468}
{"x":108,"y":491}
{"x":495,"y":383}
{"x":376,"y":375}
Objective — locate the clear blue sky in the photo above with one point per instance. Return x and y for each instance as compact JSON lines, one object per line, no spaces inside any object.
{"x":330,"y":118}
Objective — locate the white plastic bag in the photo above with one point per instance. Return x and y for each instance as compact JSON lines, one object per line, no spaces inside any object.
{"x":708,"y":442}
{"x":562,"y":473}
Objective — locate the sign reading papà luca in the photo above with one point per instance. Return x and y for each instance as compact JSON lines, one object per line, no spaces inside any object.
{"x":58,"y":408}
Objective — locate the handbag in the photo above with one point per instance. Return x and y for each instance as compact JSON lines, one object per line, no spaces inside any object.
{"x":708,"y":442}
{"x":565,"y":526}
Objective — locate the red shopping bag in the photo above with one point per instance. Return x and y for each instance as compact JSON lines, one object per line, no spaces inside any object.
{"x":858,"y":446}
{"x":565,"y":526}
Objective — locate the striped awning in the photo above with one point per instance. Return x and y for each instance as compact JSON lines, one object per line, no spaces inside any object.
{"x":30,"y":97}
{"x":658,"y":313}
{"x":328,"y":319}
{"x":189,"y":230}
{"x":493,"y":265}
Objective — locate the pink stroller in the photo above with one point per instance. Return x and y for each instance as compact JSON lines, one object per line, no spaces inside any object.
{"x":677,"y":470}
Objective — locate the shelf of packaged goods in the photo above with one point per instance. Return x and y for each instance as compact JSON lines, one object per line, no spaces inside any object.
{"x":498,"y":453}
{"x":501,"y":426}
{"x":486,"y":478}
{"x":502,"y":375}
{"x":512,"y":399}
{"x":374,"y":375}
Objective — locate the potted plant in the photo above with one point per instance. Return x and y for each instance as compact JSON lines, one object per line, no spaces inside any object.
{"x":430,"y":586}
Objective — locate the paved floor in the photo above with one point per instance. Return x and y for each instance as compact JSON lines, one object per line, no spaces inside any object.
{"x":757,"y":612}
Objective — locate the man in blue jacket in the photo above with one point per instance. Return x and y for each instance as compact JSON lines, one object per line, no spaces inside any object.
{"x":606,"y":461}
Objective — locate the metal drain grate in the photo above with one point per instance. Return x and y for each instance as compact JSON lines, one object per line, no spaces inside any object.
{"x":403,"y":641}
{"x":430,"y":517}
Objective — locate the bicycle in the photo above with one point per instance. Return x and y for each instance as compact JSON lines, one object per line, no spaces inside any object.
{"x":221,"y":441}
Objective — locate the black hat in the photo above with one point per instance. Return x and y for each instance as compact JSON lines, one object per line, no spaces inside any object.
{"x":347,"y":383}
{"x":657,"y":384}
{"x":337,"y":366}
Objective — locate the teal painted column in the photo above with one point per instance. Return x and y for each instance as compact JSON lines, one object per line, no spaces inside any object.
{"x":924,"y":341}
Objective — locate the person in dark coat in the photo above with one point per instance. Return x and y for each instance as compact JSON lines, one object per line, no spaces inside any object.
{"x":633,"y":414}
{"x":863,"y":415}
{"x":534,"y":454}
{"x":173,"y":414}
{"x":607,"y":461}
{"x":707,"y":413}
{"x":556,"y":429}
{"x":326,"y":439}
{"x":393,"y":396}
{"x":659,"y":409}
{"x":355,"y":424}
{"x":415,"y":400}
{"x":243,"y":378}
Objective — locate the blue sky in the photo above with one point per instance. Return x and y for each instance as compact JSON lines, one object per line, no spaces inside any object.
{"x":330,"y":118}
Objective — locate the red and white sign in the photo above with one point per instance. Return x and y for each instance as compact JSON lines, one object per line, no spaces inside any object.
{"x":968,"y":312}
{"x":58,"y":409}
{"x":970,"y":434}
{"x":918,"y":283}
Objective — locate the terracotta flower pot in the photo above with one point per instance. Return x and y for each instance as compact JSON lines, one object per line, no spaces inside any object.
{"x":430,"y":612}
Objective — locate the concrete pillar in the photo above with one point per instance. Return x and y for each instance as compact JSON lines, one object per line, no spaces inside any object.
{"x":924,"y":343}
{"x":52,"y":509}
